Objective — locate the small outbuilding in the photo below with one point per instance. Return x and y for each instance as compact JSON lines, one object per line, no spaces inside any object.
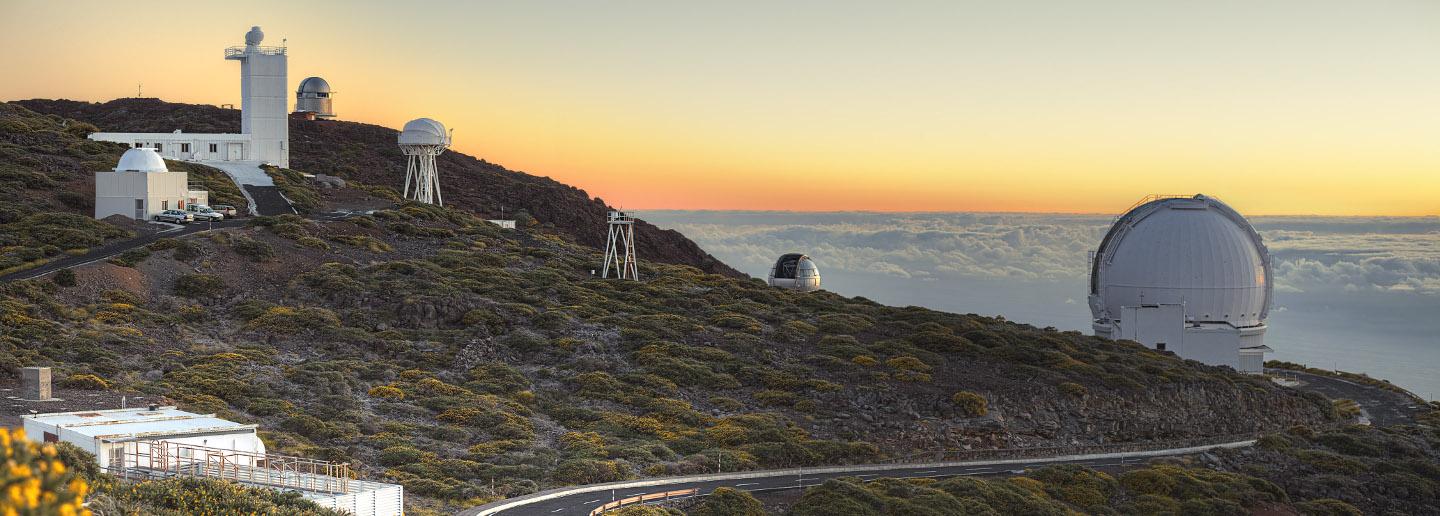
{"x":141,"y":186}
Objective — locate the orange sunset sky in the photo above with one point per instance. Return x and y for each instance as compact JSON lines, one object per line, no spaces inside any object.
{"x":1278,"y":107}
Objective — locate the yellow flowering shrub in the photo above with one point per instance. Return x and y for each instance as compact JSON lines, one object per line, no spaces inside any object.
{"x":35,"y":482}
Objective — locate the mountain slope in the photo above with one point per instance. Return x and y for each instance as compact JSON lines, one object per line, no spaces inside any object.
{"x":368,"y":153}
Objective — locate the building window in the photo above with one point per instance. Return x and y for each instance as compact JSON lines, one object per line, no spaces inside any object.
{"x":159,"y":147}
{"x":165,"y":204}
{"x":51,"y":438}
{"x":1160,"y":346}
{"x":139,"y":144}
{"x":184,"y":147}
{"x":214,"y":148}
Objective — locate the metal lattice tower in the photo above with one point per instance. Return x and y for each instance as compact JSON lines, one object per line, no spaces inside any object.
{"x":620,"y":247}
{"x":422,"y":140}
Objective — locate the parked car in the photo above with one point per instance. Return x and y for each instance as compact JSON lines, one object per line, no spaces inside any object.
{"x":226,"y":210}
{"x":203,"y":212}
{"x":174,"y":217}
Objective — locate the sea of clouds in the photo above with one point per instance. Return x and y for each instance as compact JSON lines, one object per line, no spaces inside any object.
{"x":1310,"y":253}
{"x":1351,"y":292}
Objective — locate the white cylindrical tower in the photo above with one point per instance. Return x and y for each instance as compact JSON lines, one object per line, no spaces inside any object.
{"x":1184,"y":274}
{"x":795,"y":271}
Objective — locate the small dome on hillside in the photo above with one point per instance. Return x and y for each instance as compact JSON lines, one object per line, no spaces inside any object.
{"x":795,"y":271}
{"x":141,"y":160}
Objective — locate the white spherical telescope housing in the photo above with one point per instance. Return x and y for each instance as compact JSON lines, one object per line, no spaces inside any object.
{"x":143,"y":159}
{"x":1184,"y":274}
{"x":422,"y":140}
{"x":314,"y":96}
{"x":795,"y":271}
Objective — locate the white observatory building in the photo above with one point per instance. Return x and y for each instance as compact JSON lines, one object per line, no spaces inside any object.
{"x":141,"y":186}
{"x":1188,"y":275}
{"x":421,"y":140}
{"x":264,"y":124}
{"x":795,"y":271}
{"x":314,"y":98}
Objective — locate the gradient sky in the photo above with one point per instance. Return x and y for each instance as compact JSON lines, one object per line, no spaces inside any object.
{"x":1278,"y":107}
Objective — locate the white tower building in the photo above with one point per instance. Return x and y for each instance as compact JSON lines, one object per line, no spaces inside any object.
{"x":263,"y":98}
{"x":422,"y":140}
{"x":795,"y":271}
{"x":620,"y":247}
{"x":264,"y":127}
{"x":1187,"y":275}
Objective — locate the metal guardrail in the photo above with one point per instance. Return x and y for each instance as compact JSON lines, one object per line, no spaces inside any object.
{"x":644,"y":498}
{"x":234,"y":52}
{"x":138,"y":460}
{"x":1052,"y":451}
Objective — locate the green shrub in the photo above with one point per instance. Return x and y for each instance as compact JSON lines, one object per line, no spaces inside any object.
{"x":725,"y":501}
{"x":400,"y":455}
{"x":65,"y":278}
{"x":88,"y":382}
{"x":970,"y":404}
{"x":255,"y":250}
{"x":199,"y":285}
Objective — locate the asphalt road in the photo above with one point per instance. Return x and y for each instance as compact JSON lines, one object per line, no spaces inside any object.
{"x":583,"y":503}
{"x":1382,"y":407}
{"x":114,"y":248}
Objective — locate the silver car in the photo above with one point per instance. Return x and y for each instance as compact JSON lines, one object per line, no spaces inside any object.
{"x":174,"y":217}
{"x":203,"y":212}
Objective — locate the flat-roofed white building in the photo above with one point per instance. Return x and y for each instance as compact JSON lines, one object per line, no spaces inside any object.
{"x":141,"y":186}
{"x":105,"y":433}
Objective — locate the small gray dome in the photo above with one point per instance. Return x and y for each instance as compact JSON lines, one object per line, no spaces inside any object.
{"x":795,"y":271}
{"x":314,"y":85}
{"x":424,"y":131}
{"x":255,"y":36}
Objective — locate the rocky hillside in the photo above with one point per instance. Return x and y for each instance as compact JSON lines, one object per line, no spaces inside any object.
{"x":368,"y":153}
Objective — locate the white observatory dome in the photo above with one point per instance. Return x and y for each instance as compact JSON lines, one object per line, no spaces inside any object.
{"x":314,"y":85}
{"x":795,"y":271}
{"x":1192,"y":251}
{"x":423,"y":131}
{"x":255,"y":36}
{"x":141,"y":160}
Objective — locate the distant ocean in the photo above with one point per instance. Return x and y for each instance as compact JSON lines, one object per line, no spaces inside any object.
{"x":1358,"y":294}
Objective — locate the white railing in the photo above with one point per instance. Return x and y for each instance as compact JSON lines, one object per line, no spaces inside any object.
{"x":163,"y":459}
{"x":233,"y":52}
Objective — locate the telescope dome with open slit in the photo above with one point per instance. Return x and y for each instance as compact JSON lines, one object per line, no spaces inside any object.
{"x":795,"y":271}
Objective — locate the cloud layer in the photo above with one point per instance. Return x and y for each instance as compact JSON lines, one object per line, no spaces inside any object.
{"x":1312,"y":254}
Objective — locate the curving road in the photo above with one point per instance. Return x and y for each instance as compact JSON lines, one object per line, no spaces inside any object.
{"x":580,"y":500}
{"x":111,"y":249}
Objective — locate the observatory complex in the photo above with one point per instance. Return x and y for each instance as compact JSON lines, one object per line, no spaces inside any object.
{"x":264,"y":126}
{"x":795,"y":271}
{"x":1185,"y":274}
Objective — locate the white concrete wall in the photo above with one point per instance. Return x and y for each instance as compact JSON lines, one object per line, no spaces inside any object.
{"x":264,"y":104}
{"x":116,"y":192}
{"x":1153,"y":324}
{"x":371,"y":501}
{"x":1214,"y":344}
{"x":171,"y":144}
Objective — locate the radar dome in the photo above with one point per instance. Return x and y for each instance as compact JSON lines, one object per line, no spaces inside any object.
{"x":255,"y":36}
{"x":423,"y":131}
{"x":141,"y":160}
{"x":1192,"y":251}
{"x":795,"y":271}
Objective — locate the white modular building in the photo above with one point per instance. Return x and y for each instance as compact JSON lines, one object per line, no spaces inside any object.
{"x":141,"y":186}
{"x":264,"y":124}
{"x":106,"y":433}
{"x":795,"y":271}
{"x":1185,"y":274}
